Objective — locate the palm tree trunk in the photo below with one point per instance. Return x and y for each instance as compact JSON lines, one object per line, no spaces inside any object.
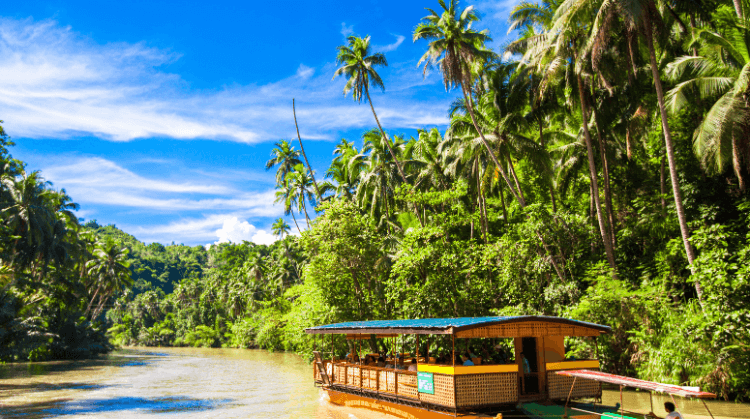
{"x":515,"y":177}
{"x":304,"y":208}
{"x":662,"y":183}
{"x":670,"y":153}
{"x":295,"y":222}
{"x":541,"y":143}
{"x":317,"y":190}
{"x":605,"y":167}
{"x":736,"y":164}
{"x":502,"y":202}
{"x":594,"y":182}
{"x":390,"y":149}
{"x":738,"y":7}
{"x":470,"y":108}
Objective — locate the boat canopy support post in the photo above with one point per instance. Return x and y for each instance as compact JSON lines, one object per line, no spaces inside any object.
{"x":707,"y":409}
{"x":622,"y":405}
{"x":570,"y":394}
{"x":651,"y":400}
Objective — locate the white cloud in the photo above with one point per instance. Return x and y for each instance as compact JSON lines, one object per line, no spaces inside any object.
{"x":304,"y":71}
{"x":390,"y":47}
{"x":211,"y":229}
{"x":346,"y":30}
{"x":57,"y":83}
{"x":95,"y":172}
{"x":103,"y":182}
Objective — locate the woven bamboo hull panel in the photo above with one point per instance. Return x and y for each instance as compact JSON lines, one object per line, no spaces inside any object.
{"x":407,"y":385}
{"x":444,"y":395}
{"x":559,"y":387}
{"x":477,"y":390}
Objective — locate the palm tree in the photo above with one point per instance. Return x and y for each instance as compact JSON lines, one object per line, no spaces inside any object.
{"x":110,"y":271}
{"x":286,"y":157}
{"x":312,"y":174}
{"x":285,"y":194}
{"x":719,"y":75}
{"x":558,"y":49}
{"x":301,"y":182}
{"x":280,"y":228}
{"x":639,"y":16}
{"x":454,"y":47}
{"x":345,"y":169}
{"x":377,"y":184}
{"x":359,"y":66}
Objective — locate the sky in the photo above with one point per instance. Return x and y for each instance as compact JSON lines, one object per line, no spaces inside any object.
{"x":159,"y":116}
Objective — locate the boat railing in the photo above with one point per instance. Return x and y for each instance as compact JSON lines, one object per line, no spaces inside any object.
{"x":397,"y":382}
{"x":454,"y":386}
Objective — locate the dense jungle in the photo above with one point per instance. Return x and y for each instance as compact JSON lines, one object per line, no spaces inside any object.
{"x":595,"y":167}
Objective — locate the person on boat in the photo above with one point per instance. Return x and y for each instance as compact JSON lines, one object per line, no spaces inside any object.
{"x":467,"y":362}
{"x":381,"y":362}
{"x":526,"y":367}
{"x":672,"y":413}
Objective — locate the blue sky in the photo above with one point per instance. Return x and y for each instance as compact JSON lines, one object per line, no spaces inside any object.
{"x":158,"y":116}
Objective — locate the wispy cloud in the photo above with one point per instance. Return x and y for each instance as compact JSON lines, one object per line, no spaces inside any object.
{"x":304,"y":71}
{"x":207,"y":205}
{"x":57,"y":83}
{"x":390,"y":47}
{"x":346,"y":30}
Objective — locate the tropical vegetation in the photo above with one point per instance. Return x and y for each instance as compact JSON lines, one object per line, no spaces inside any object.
{"x":594,"y":167}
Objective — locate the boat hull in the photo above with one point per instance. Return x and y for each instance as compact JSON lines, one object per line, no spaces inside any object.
{"x":394,"y":409}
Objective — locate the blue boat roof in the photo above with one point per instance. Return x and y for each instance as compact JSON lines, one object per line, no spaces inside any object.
{"x":439,"y":326}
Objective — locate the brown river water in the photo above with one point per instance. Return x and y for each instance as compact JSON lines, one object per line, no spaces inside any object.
{"x":216,"y":383}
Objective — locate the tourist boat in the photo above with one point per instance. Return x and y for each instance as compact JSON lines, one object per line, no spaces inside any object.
{"x":538,"y":375}
{"x":456,"y":390}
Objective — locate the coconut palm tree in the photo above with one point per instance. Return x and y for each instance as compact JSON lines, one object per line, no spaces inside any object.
{"x":359,"y":66}
{"x":285,"y":193}
{"x":286,"y":157}
{"x":318,"y":196}
{"x":640,"y":16}
{"x":720,"y":75}
{"x":280,"y":228}
{"x":454,"y":47}
{"x":110,"y":272}
{"x":559,"y":49}
{"x":301,"y":184}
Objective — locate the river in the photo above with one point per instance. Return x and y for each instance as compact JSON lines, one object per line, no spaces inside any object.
{"x":198,"y":383}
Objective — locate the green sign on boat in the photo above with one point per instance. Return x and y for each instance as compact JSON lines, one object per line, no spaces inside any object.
{"x":425,"y":383}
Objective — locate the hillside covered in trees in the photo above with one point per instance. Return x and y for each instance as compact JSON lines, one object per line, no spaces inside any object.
{"x":598,"y":172}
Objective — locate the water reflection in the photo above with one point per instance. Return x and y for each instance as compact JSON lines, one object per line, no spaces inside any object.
{"x":189,"y":382}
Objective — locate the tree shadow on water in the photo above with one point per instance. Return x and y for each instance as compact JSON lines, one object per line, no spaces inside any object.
{"x":118,"y":404}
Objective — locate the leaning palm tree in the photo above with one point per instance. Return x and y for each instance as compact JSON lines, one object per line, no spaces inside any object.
{"x":359,"y":66}
{"x":454,"y":47}
{"x":286,"y":157}
{"x":302,"y":147}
